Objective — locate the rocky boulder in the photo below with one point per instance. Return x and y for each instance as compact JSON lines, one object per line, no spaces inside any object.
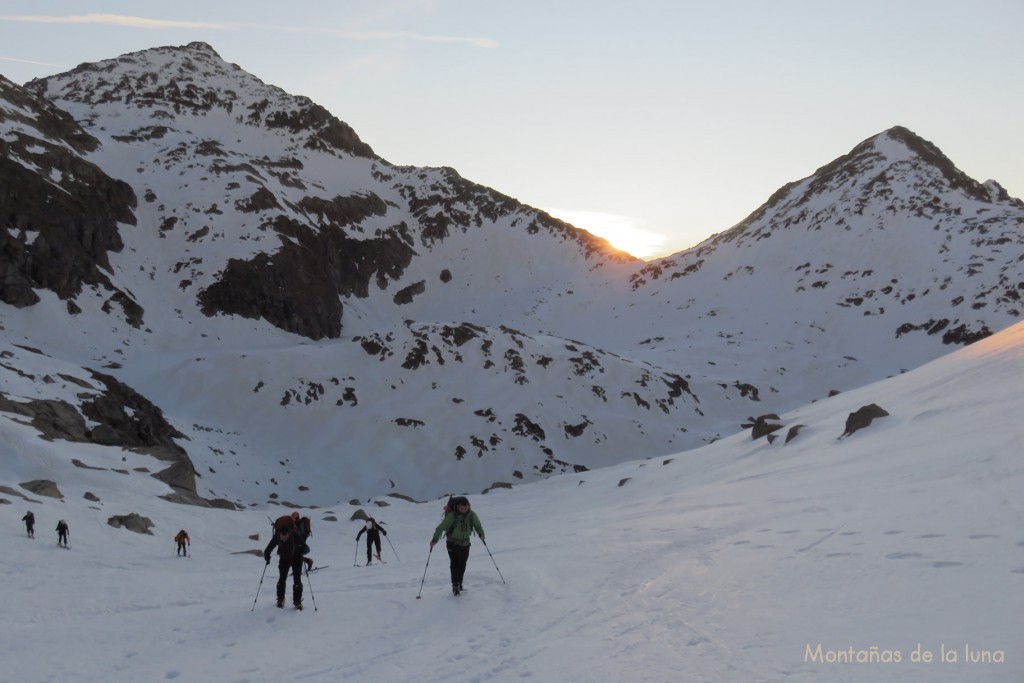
{"x":132,"y":522}
{"x":42,"y":487}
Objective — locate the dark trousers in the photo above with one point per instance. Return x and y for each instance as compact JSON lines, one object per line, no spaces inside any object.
{"x":459,"y":555}
{"x":62,"y":538}
{"x":181,"y":548}
{"x":370,"y":542}
{"x":295,"y":566}
{"x":31,"y":531}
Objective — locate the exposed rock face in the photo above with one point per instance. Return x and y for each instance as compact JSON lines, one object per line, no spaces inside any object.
{"x":128,"y":419}
{"x":763,"y":425}
{"x":54,"y":419}
{"x":43,"y":487}
{"x":124,"y":418}
{"x":862,"y":417}
{"x":330,"y":132}
{"x":60,"y":212}
{"x":132,"y":522}
{"x":299,"y":287}
{"x":793,"y":432}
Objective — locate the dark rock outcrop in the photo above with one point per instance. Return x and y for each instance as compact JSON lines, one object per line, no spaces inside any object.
{"x":862,"y":417}
{"x":133,"y":522}
{"x":60,"y":212}
{"x":123,"y":418}
{"x":299,"y":287}
{"x":128,"y":419}
{"x":763,"y":425}
{"x":42,"y":487}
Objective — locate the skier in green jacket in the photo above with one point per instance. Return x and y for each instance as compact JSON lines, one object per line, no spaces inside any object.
{"x":459,"y":522}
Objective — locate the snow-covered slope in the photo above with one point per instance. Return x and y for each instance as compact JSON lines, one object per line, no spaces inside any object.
{"x":817,"y":559}
{"x":237,"y":256}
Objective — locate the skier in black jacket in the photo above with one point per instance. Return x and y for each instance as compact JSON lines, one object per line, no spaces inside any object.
{"x":30,"y":523}
{"x":291,"y":547}
{"x":373,"y":532}
{"x":62,"y":533}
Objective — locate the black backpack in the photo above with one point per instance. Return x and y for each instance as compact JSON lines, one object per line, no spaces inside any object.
{"x":287,"y":523}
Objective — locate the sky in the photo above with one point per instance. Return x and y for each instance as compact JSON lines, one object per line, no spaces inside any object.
{"x":655,"y":124}
{"x":894,"y":554}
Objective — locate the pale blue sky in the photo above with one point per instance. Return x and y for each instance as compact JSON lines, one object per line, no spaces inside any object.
{"x":674,"y":119}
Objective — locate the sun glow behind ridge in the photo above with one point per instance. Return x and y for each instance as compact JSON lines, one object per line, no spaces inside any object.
{"x":623,"y":232}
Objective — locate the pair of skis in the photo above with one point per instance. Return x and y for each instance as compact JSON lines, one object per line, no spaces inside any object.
{"x":379,"y":559}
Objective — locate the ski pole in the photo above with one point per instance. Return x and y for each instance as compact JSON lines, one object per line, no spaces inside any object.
{"x":355,"y":558}
{"x":392,"y":547}
{"x":313,"y":597}
{"x":260,"y":586}
{"x":420,"y":594}
{"x":492,"y":560}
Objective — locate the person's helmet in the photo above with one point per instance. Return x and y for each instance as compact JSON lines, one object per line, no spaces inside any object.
{"x":295,"y":514}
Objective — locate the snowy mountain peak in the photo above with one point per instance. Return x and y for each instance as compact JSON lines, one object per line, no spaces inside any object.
{"x":169,"y":82}
{"x":891,"y":172}
{"x":926,"y":154}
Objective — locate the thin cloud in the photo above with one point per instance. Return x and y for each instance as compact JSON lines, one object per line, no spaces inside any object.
{"x":144,"y":23}
{"x":30,"y":61}
{"x":112,"y":20}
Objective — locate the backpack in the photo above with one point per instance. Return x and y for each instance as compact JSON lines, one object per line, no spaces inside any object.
{"x":305,"y":527}
{"x":284,"y":524}
{"x":450,"y":507}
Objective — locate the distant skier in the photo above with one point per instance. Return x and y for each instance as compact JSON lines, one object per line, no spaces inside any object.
{"x":458,"y":524}
{"x":30,"y":524}
{"x":373,"y":532}
{"x":62,"y":533}
{"x":182,"y":540}
{"x":290,"y":550}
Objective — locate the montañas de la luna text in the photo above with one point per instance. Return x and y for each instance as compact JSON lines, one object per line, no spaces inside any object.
{"x":877,"y":655}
